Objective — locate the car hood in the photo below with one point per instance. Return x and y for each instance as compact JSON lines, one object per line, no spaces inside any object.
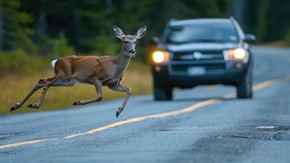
{"x":198,"y":46}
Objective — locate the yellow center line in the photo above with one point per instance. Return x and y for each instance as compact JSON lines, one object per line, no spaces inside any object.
{"x":138,"y":119}
{"x":162,"y":115}
{"x":22,"y":143}
{"x":265,"y":84}
{"x":270,"y":82}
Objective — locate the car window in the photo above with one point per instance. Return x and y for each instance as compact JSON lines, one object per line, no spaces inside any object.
{"x":223,"y":32}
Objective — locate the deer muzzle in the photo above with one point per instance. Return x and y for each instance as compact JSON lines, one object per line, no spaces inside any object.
{"x":132,"y":52}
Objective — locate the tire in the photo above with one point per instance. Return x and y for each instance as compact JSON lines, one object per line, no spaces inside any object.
{"x":162,"y":93}
{"x":244,"y":89}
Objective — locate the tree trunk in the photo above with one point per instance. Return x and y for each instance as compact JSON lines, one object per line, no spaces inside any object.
{"x":76,"y":18}
{"x":1,"y":27}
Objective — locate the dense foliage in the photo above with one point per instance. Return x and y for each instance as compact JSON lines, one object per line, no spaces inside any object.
{"x":54,"y":28}
{"x":37,"y":25}
{"x":268,"y":19}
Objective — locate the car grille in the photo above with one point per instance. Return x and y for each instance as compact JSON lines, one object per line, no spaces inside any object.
{"x":212,"y":61}
{"x":198,"y":55}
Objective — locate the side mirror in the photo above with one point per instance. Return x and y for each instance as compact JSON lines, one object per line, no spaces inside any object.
{"x":250,"y":38}
{"x":154,"y":41}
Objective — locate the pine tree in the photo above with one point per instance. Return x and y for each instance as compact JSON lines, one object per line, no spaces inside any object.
{"x":14,"y":27}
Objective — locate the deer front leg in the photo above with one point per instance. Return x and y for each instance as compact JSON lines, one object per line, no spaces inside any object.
{"x":98,"y":87}
{"x":121,"y":88}
{"x":39,"y":85}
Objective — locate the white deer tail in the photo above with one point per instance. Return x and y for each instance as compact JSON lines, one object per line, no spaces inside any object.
{"x":53,"y":62}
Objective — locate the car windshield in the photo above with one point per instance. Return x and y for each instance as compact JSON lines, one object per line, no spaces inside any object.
{"x":211,"y":32}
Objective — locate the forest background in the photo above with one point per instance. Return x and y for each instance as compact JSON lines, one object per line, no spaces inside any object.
{"x":33,"y":32}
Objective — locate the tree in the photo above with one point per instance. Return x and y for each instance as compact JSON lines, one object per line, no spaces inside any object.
{"x":87,"y":25}
{"x":14,"y":27}
{"x":1,"y":27}
{"x":268,"y":19}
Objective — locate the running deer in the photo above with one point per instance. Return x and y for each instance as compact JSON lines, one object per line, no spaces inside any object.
{"x":98,"y":71}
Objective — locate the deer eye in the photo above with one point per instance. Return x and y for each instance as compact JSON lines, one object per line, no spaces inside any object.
{"x":126,"y":42}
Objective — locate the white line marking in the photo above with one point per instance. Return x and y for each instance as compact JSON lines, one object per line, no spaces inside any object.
{"x":266,"y":127}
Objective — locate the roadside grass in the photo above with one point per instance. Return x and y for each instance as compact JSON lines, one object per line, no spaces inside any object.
{"x":15,"y":86}
{"x":277,"y":44}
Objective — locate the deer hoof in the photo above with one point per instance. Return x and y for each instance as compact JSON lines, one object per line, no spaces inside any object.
{"x":77,"y":103}
{"x":15,"y":107}
{"x":12,"y":108}
{"x":33,"y":106}
{"x":117,"y":114}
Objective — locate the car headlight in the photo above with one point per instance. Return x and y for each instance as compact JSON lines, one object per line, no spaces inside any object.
{"x":160,"y":56}
{"x":238,"y":54}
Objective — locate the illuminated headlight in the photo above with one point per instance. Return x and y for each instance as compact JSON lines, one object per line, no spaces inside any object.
{"x":160,"y":56}
{"x":237,"y":54}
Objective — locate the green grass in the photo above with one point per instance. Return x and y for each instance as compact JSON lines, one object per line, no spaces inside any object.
{"x":20,"y":62}
{"x":277,"y":44}
{"x":14,"y":86}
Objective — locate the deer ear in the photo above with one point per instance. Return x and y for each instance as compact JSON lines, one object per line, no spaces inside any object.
{"x":118,"y":32}
{"x":141,"y":32}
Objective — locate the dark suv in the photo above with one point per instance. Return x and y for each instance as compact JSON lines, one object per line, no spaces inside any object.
{"x":201,"y":52}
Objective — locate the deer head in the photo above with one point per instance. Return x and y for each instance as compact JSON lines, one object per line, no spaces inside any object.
{"x":129,"y":41}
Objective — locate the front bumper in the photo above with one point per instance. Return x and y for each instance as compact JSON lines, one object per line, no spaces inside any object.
{"x":228,"y":73}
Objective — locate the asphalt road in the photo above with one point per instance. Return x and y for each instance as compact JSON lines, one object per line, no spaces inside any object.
{"x":205,"y":124}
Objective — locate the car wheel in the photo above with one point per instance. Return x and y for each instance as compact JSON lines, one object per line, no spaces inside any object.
{"x":162,"y":93}
{"x":244,"y":89}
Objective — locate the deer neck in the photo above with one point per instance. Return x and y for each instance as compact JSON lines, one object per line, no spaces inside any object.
{"x":122,"y":60}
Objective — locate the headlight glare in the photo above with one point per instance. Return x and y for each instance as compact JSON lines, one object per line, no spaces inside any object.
{"x":238,"y":54}
{"x":160,"y":56}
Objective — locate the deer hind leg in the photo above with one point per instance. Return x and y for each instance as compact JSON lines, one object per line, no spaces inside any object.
{"x":40,"y":84}
{"x":47,"y":83}
{"x":98,"y":86}
{"x":121,"y":88}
